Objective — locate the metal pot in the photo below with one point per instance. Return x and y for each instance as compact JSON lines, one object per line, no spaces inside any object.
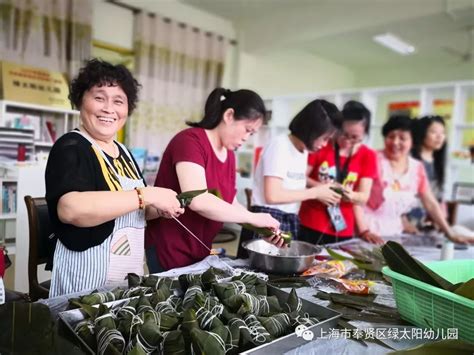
{"x":267,"y":257}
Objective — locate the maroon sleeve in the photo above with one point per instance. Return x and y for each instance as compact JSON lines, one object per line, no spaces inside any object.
{"x":233,"y":174}
{"x":188,"y":146}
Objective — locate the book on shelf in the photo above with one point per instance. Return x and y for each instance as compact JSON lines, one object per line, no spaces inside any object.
{"x":49,"y":130}
{"x":9,"y":197}
{"x":51,"y":127}
{"x":10,"y":141}
{"x":20,"y":120}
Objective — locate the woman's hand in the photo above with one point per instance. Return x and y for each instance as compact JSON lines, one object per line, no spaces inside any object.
{"x":164,"y":200}
{"x":371,"y":237}
{"x":459,"y":238}
{"x":408,"y":227}
{"x":325,"y":194}
{"x":265,"y":220}
{"x":349,"y":195}
{"x":277,"y":240}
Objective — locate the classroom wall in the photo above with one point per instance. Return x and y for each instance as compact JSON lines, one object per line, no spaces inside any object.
{"x":291,"y":71}
{"x":105,"y":17}
{"x":413,"y":74}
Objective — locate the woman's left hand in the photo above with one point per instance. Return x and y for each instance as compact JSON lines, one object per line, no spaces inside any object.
{"x":370,"y":237}
{"x":461,"y":239}
{"x":348,"y":194}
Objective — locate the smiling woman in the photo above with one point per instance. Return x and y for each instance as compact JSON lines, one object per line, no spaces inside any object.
{"x":97,"y":199}
{"x":404,"y":181}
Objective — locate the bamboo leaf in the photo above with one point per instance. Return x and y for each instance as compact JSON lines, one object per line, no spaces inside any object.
{"x":466,"y":289}
{"x":337,"y":256}
{"x":261,"y":231}
{"x":216,"y":193}
{"x":185,"y":198}
{"x":88,"y":309}
{"x":399,"y":260}
{"x":137,"y":350}
{"x":372,"y":265}
{"x":266,"y":232}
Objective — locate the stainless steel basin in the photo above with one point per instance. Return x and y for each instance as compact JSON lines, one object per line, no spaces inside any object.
{"x":288,"y":261}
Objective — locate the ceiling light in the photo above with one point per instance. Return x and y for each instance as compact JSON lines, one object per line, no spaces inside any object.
{"x":394,"y":43}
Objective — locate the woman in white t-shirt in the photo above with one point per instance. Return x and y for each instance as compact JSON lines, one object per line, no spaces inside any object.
{"x":280,"y":176}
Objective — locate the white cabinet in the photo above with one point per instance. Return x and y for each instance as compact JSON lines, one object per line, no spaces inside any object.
{"x":28,"y":179}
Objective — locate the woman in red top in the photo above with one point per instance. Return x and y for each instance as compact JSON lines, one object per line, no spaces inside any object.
{"x":351,"y":164}
{"x":202,"y":157}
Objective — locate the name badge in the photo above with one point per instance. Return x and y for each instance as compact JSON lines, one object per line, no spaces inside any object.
{"x":337,"y":219}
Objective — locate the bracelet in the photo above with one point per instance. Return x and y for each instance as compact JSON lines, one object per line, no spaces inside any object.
{"x":141,"y":200}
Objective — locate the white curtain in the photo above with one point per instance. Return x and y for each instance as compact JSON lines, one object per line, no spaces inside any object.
{"x":178,"y":66}
{"x":50,"y":34}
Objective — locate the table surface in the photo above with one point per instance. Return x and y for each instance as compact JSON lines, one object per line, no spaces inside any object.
{"x":420,"y":249}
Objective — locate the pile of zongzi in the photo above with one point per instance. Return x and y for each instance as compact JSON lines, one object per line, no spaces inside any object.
{"x":206,"y":317}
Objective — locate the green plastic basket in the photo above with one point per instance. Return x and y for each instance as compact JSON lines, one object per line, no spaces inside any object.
{"x":428,"y":306}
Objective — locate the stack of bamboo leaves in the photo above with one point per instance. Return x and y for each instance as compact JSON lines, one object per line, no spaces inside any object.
{"x":399,"y":260}
{"x":207,"y":317}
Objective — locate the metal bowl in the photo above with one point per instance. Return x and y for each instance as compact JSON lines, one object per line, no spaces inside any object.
{"x":267,"y":257}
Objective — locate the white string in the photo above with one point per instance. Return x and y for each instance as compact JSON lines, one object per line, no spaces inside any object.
{"x":106,"y":336}
{"x":190,"y":295}
{"x":219,"y":340}
{"x":231,"y":269}
{"x":257,"y":331}
{"x":165,"y":307}
{"x":205,"y":318}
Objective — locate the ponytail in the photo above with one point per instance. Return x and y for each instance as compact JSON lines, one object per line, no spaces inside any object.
{"x":247,"y":105}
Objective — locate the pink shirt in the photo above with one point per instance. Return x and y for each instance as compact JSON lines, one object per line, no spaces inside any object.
{"x":401,"y":192}
{"x":175,"y":247}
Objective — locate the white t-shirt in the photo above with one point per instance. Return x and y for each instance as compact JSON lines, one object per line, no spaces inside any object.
{"x":280,"y":159}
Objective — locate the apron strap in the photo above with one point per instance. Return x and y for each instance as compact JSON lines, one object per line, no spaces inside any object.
{"x":129,"y":157}
{"x":95,"y":145}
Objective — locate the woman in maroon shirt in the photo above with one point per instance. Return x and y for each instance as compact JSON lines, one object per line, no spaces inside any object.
{"x":202,"y":157}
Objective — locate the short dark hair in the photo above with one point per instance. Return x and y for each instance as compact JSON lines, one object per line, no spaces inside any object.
{"x":101,"y":73}
{"x":356,"y":111}
{"x":247,"y":105}
{"x":315,"y":119}
{"x":397,"y":122}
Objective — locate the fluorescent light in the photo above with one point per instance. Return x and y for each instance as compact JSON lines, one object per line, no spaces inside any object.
{"x":394,"y":43}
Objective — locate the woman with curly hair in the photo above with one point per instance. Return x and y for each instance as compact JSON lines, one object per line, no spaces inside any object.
{"x":96,"y":195}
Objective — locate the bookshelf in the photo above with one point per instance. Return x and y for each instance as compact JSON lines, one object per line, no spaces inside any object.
{"x":47,"y":123}
{"x":37,"y":128}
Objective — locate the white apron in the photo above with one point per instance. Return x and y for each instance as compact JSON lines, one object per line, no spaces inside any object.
{"x":110,"y":262}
